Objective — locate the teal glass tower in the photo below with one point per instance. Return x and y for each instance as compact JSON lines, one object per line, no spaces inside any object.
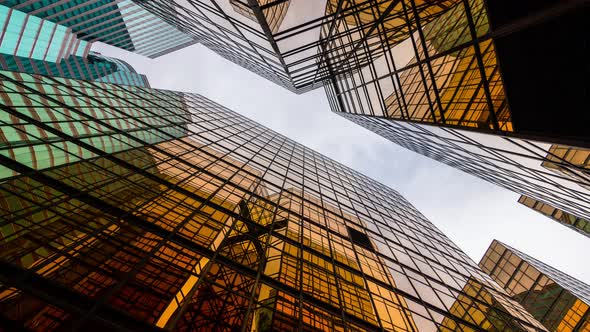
{"x":123,"y":24}
{"x":34,"y":45}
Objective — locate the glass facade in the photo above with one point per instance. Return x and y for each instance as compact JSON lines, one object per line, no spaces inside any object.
{"x":446,"y":79}
{"x":406,"y":68}
{"x":31,"y":37}
{"x":38,"y":46}
{"x":273,"y":14}
{"x":518,"y":165}
{"x":123,"y":24}
{"x":123,"y":72}
{"x":298,"y":44}
{"x":578,"y":224}
{"x":556,"y":299}
{"x":92,"y":67}
{"x":570,"y":161}
{"x":466,"y":69}
{"x":156,"y":209}
{"x":40,"y":148}
{"x":454,"y":63}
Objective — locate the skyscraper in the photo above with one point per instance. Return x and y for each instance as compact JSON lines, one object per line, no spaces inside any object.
{"x":120,"y":23}
{"x":515,"y":164}
{"x":139,"y":209}
{"x":578,"y":224}
{"x":39,"y":46}
{"x":123,"y":72}
{"x":557,"y":300}
{"x":470,"y":83}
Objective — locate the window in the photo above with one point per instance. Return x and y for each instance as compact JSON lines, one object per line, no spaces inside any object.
{"x":360,"y":239}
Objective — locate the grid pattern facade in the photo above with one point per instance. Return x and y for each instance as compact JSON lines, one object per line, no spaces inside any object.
{"x":570,"y":161}
{"x":464,"y":67}
{"x":297,"y":44}
{"x":435,"y":62}
{"x":28,"y":36}
{"x":515,"y":164}
{"x":234,"y":29}
{"x":556,"y":299}
{"x":274,"y":14}
{"x":40,"y":148}
{"x":361,"y":46}
{"x":414,"y":60}
{"x":229,"y":226}
{"x":91,"y":67}
{"x":451,"y":64}
{"x":123,"y":24}
{"x":77,"y":67}
{"x":38,"y":46}
{"x":448,"y":79}
{"x":578,"y":224}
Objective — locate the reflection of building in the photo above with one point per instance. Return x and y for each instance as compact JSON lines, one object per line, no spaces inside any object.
{"x":557,"y":300}
{"x":273,"y":15}
{"x":123,"y":24}
{"x":482,"y":307}
{"x":570,"y":161}
{"x":201,"y":219}
{"x":122,"y":73}
{"x":453,"y":75}
{"x":38,"y":46}
{"x":357,"y":22}
{"x":92,"y":67}
{"x":447,"y":79}
{"x":395,"y":27}
{"x":456,"y":77}
{"x":578,"y":224}
{"x":116,"y":131}
{"x":317,"y":271}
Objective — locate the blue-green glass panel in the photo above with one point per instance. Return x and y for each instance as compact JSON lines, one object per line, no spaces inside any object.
{"x":56,"y":43}
{"x":13,"y":32}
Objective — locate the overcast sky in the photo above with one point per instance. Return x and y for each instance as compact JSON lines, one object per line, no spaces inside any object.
{"x":470,"y":211}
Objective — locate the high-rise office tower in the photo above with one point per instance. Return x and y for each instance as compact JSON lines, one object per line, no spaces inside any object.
{"x":120,"y":23}
{"x":122,"y":72}
{"x":39,"y":46}
{"x":496,"y":89}
{"x":578,"y":224}
{"x":128,"y":208}
{"x":557,"y":300}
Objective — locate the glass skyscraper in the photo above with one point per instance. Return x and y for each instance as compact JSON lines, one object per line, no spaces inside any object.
{"x":39,"y":46}
{"x":578,"y":224}
{"x":135,"y":209}
{"x":556,"y":299}
{"x":121,"y":72}
{"x":94,"y":66}
{"x":499,"y":91}
{"x":515,"y":164}
{"x":123,"y":24}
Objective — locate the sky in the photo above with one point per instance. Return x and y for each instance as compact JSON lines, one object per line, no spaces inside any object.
{"x":470,"y":211}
